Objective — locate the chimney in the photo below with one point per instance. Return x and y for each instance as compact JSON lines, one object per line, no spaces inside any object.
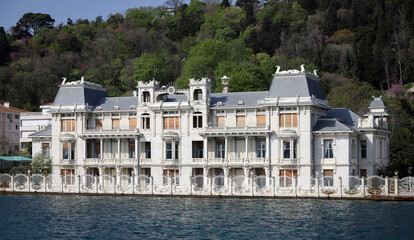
{"x":225,"y":83}
{"x":7,"y":104}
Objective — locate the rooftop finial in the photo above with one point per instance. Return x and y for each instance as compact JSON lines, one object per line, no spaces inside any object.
{"x":315,"y":72}
{"x":82,"y":80}
{"x":64,"y":81}
{"x":302,"y":68}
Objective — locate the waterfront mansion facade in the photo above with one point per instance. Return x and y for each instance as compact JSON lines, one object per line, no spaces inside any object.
{"x":285,"y":132}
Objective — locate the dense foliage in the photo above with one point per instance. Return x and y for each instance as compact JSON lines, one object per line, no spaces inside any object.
{"x":361,"y":48}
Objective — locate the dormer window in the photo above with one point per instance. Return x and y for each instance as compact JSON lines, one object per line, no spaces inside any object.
{"x":198,"y":94}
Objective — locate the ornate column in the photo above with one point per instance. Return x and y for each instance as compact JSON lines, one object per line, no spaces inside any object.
{"x":247,"y":149}
{"x":246,"y":176}
{"x":226,"y":176}
{"x":102,"y":149}
{"x":118,"y":175}
{"x":119,"y":150}
{"x":267,"y":147}
{"x":205,"y":174}
{"x":136,"y":150}
{"x":267,"y":172}
{"x":84,"y":150}
{"x":85,"y":171}
{"x":205,"y":150}
{"x":101,"y":173}
{"x":136,"y":172}
{"x":225,"y":147}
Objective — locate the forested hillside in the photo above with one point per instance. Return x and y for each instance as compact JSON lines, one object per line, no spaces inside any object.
{"x":360,"y":48}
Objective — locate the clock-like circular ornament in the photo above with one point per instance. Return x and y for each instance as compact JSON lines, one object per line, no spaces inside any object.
{"x":171,"y":90}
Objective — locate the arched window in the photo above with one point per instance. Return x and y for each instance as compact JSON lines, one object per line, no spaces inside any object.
{"x":197,"y":120}
{"x":198,"y":94}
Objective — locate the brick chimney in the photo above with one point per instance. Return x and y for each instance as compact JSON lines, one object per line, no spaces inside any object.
{"x":7,"y":104}
{"x":225,"y":83}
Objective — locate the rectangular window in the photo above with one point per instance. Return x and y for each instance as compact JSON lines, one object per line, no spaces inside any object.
{"x":9,"y":127}
{"x":132,"y":123}
{"x":220,"y":121}
{"x":98,"y":123}
{"x":363,"y":173}
{"x":288,"y":120}
{"x":363,"y":148}
{"x":168,"y":150}
{"x":16,"y":117}
{"x":353,"y":149}
{"x":295,"y":148}
{"x":9,"y":116}
{"x":171,"y":123}
{"x":328,"y":179}
{"x":177,"y":146}
{"x":65,"y":150}
{"x":197,"y":149}
{"x":97,"y":149}
{"x":261,"y":120}
{"x":68,"y":125}
{"x":260,"y":148}
{"x":46,"y":149}
{"x":146,"y":121}
{"x":286,"y":148}
{"x":220,"y":149}
{"x":115,"y":123}
{"x":131,"y":149}
{"x":197,"y":121}
{"x":147,"y":149}
{"x":327,"y":148}
{"x":240,"y":121}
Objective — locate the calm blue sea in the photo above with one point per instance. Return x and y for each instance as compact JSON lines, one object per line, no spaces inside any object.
{"x":102,"y":217}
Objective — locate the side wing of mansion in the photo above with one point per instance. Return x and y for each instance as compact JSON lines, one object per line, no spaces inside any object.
{"x":288,"y":131}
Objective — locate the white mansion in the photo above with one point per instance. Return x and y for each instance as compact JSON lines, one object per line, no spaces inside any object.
{"x":288,"y":131}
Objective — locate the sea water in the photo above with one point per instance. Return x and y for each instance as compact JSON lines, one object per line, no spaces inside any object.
{"x":118,"y":217}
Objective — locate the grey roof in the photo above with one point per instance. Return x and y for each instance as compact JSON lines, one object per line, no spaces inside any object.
{"x":80,"y":95}
{"x":231,"y":99}
{"x":123,"y":103}
{"x":330,"y":124}
{"x":344,"y":115}
{"x":47,"y":132}
{"x":175,"y":98}
{"x":377,"y":103}
{"x":291,"y":86}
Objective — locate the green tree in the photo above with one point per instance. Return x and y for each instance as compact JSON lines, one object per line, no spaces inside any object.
{"x":4,"y":47}
{"x":41,"y":164}
{"x":149,"y":67}
{"x":30,"y":23}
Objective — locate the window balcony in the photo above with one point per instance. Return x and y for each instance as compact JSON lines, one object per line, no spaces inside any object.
{"x":145,"y":161}
{"x":198,"y":160}
{"x":68,"y":161}
{"x":111,"y":128}
{"x":289,"y":161}
{"x":91,"y":161}
{"x":328,"y":161}
{"x":217,"y":160}
{"x":259,"y":160}
{"x":127,"y":160}
{"x":171,"y":162}
{"x":237,"y":160}
{"x":109,"y":161}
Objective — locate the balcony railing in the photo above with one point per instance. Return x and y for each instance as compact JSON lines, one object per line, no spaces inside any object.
{"x":289,"y":161}
{"x":198,"y":160}
{"x":111,"y":128}
{"x":68,"y":161}
{"x":171,"y":161}
{"x":145,"y":161}
{"x":234,"y":125}
{"x":237,"y":160}
{"x":92,"y":160}
{"x":127,"y":160}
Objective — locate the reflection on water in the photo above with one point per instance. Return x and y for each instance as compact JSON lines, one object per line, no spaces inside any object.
{"x":90,"y":217}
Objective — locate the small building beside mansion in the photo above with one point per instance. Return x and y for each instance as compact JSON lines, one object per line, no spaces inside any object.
{"x":288,"y":131}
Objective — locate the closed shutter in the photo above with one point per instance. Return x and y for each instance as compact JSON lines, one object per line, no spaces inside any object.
{"x":328,"y":173}
{"x":98,"y":123}
{"x":282,"y":120}
{"x":220,"y":121}
{"x":261,"y":120}
{"x":132,"y":123}
{"x":240,"y":121}
{"x":295,"y":120}
{"x":115,"y":123}
{"x":177,"y":123}
{"x":165,"y":123}
{"x":288,"y":120}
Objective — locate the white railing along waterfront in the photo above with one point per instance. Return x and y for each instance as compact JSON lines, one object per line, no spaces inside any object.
{"x":240,"y":185}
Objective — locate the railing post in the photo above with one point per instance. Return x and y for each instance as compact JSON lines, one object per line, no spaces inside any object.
{"x":79,"y":185}
{"x":61,"y":182}
{"x":191,"y":186}
{"x":171,"y":185}
{"x":274,"y":185}
{"x":133,"y":183}
{"x":114,"y":184}
{"x":363,"y":186}
{"x":317,"y":186}
{"x":211,"y":185}
{"x":231,"y":185}
{"x":387,"y":186}
{"x":340,"y":186}
{"x":252,"y":183}
{"x":12,"y":182}
{"x":295,"y":190}
{"x":45,"y":183}
{"x":396,"y":186}
{"x":28,"y":179}
{"x":96,"y":184}
{"x":152,"y":185}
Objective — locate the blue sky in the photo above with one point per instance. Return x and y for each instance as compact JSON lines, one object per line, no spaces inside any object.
{"x":12,"y":10}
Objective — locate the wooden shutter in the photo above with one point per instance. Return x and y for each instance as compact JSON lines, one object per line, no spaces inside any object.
{"x":261,"y":120}
{"x":282,"y":120}
{"x":260,"y":172}
{"x":170,"y":123}
{"x":288,"y":120}
{"x":132,"y":123}
{"x":63,"y":126}
{"x":98,"y":123}
{"x":165,"y":123}
{"x":220,"y":121}
{"x":115,"y":123}
{"x":240,"y":120}
{"x":176,"y":122}
{"x":132,"y":146}
{"x":45,"y":145}
{"x":295,"y":173}
{"x":328,"y":173}
{"x":295,"y":119}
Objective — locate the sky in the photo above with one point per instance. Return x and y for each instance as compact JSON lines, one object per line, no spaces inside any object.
{"x":60,"y":10}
